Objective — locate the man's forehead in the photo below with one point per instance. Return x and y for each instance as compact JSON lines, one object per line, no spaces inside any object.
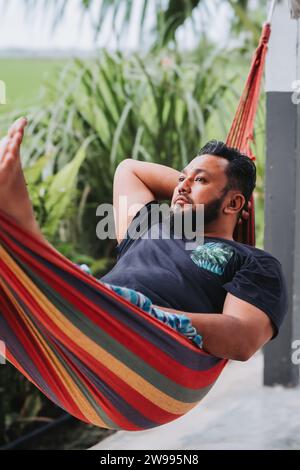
{"x":206,"y":162}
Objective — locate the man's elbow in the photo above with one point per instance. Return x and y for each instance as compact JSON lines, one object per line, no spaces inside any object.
{"x":249,"y":347}
{"x":244,"y":353}
{"x":243,"y":356}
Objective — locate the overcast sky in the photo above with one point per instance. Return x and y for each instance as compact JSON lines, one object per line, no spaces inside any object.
{"x":27,"y":30}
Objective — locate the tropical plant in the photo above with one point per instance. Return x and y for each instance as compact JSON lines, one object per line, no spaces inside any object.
{"x":152,"y":108}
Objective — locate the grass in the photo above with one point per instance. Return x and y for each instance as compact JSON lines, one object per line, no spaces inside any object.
{"x":24,"y":79}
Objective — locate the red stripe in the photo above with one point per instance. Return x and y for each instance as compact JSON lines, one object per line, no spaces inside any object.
{"x":52,"y":256}
{"x":73,"y":347}
{"x":133,"y":397}
{"x":39,"y":359}
{"x":100,"y":398}
{"x":132,"y":341}
{"x":139,"y":346}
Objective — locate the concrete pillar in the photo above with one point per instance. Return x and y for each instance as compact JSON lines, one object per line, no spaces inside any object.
{"x":282,"y":185}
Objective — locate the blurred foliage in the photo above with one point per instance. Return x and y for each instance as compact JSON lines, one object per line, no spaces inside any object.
{"x":169,"y":15}
{"x":153,"y":108}
{"x":20,"y":403}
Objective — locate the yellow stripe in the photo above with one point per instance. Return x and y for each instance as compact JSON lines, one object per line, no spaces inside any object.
{"x":84,"y":405}
{"x":138,"y":383}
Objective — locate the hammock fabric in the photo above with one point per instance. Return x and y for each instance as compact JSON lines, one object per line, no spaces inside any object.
{"x":241,"y":133}
{"x":90,"y":351}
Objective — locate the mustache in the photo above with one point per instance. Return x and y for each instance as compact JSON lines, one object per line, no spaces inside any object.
{"x":183,"y":196}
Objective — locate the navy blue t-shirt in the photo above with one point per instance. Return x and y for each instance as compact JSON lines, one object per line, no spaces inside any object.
{"x":197,"y":280}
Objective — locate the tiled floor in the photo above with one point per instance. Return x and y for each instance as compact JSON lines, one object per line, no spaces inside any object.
{"x":238,"y":413}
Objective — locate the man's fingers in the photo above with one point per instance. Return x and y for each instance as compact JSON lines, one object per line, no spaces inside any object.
{"x":245,"y":216}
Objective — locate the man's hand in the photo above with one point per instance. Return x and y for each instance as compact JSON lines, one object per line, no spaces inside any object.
{"x":245,"y":214}
{"x":237,"y":333}
{"x":139,"y":183}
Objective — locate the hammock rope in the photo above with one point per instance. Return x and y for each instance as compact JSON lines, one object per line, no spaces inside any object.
{"x":241,"y":134}
{"x":90,"y":351}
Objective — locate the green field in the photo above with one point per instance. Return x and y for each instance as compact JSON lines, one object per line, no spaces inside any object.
{"x":24,"y":79}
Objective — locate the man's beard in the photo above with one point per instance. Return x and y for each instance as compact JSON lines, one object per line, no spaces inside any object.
{"x":212,"y":210}
{"x":211,"y":213}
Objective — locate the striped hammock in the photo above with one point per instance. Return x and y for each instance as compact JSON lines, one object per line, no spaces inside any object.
{"x":90,"y":351}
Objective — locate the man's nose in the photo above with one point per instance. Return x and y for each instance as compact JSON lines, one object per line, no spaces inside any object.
{"x":184,"y":187}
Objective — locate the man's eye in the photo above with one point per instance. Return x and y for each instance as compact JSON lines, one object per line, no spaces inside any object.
{"x":200,"y":178}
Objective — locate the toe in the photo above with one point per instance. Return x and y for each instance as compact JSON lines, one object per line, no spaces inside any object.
{"x":17,"y":139}
{"x":7,"y":163}
{"x":3,"y":147}
{"x":11,"y":130}
{"x":17,"y":126}
{"x":14,"y":144}
{"x":5,"y":166}
{"x":21,"y":124}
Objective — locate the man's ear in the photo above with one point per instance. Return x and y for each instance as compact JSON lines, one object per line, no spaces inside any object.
{"x":235,"y":203}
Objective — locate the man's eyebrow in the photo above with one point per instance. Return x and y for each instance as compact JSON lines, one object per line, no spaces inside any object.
{"x":196,"y":170}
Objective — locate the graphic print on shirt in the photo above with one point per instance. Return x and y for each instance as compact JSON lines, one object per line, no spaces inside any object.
{"x":212,"y":256}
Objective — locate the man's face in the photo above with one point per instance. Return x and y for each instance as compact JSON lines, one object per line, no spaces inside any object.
{"x":201,"y":182}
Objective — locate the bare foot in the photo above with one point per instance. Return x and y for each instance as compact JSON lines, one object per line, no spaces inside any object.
{"x":14,"y":197}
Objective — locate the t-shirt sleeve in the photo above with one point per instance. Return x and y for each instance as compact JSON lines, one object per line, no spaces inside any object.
{"x":260,"y":281}
{"x":142,"y":218}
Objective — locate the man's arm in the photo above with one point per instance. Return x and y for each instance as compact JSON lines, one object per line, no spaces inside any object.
{"x":237,"y":333}
{"x":140,"y":183}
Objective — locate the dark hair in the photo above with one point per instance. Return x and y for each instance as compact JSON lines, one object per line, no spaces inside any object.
{"x":241,"y":171}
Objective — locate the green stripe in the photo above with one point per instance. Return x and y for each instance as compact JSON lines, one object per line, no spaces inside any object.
{"x":125,"y":356}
